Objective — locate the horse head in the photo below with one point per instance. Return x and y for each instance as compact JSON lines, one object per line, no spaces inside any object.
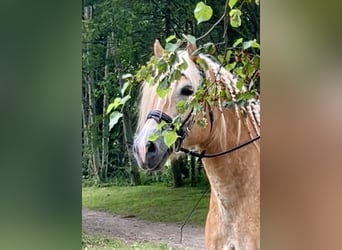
{"x":154,"y":110}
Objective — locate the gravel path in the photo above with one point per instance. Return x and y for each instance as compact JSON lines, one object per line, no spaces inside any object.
{"x":132,"y":229}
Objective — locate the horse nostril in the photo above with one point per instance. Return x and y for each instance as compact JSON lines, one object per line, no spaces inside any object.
{"x":151,"y":147}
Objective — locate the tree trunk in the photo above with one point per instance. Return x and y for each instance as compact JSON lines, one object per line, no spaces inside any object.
{"x":193,"y":177}
{"x":105,"y":120}
{"x":134,"y":174}
{"x":176,"y":173}
{"x":91,"y":127}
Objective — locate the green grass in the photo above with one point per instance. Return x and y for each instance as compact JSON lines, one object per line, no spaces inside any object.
{"x":154,"y":203}
{"x":95,"y":242}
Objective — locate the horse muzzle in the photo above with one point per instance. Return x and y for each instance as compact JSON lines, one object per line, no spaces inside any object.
{"x":150,"y":155}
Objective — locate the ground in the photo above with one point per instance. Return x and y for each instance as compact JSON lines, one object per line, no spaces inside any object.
{"x":131,"y":229}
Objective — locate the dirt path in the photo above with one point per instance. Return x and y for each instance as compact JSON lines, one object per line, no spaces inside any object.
{"x":133,"y":229}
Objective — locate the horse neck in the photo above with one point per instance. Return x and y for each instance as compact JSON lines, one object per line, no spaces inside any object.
{"x":235,"y":186}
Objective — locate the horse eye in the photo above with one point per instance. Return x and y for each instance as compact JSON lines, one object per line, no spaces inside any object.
{"x":186,"y":91}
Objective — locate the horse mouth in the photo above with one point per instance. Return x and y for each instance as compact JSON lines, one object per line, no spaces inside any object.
{"x":156,"y":163}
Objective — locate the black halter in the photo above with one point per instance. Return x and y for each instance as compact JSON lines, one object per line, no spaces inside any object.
{"x":182,"y":132}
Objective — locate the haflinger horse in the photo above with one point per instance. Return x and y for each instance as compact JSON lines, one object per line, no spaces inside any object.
{"x":233,"y":219}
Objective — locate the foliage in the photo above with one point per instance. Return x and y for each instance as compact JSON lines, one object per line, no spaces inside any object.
{"x":117,"y":40}
{"x":242,"y":59}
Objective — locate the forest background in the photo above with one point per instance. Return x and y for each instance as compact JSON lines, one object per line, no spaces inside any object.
{"x":117,"y":39}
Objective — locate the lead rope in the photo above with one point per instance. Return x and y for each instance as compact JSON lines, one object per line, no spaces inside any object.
{"x":189,"y":215}
{"x":203,"y":155}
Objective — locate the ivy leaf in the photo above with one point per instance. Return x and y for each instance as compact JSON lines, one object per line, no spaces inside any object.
{"x":125,"y":99}
{"x":162,"y":92}
{"x":162,"y":65}
{"x":230,"y":66}
{"x":202,"y":12}
{"x":228,"y":55}
{"x":251,"y":43}
{"x":164,"y":84}
{"x":171,"y":47}
{"x":124,"y":87}
{"x":232,"y":3}
{"x":113,"y":105}
{"x":202,"y":63}
{"x":114,"y":118}
{"x":256,"y":61}
{"x":170,"y":137}
{"x":161,"y":125}
{"x":125,"y":76}
{"x":235,"y":18}
{"x":237,"y":42}
{"x":176,"y":75}
{"x":153,"y":137}
{"x":181,"y":106}
{"x":183,"y":65}
{"x":170,"y":38}
{"x":240,"y":84}
{"x":173,"y":58}
{"x":191,"y":39}
{"x":209,"y":48}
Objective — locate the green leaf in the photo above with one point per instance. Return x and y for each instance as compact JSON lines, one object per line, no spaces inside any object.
{"x":170,"y":38}
{"x":170,"y":137}
{"x":232,"y":3}
{"x":209,"y":48}
{"x":256,"y":61}
{"x":181,"y":106}
{"x":125,"y":76}
{"x":235,"y":18}
{"x":176,"y":75}
{"x":183,"y":65}
{"x":173,"y":58}
{"x":237,"y":42}
{"x":162,"y":92}
{"x":251,"y":43}
{"x":161,"y":125}
{"x":191,"y":39}
{"x":202,"y":63}
{"x":162,"y":65}
{"x":116,"y":103}
{"x":228,"y":55}
{"x":240,"y":84}
{"x":114,"y":118}
{"x":202,"y":12}
{"x":164,"y":84}
{"x":153,"y":137}
{"x":171,"y":47}
{"x":125,"y":99}
{"x":124,"y":87}
{"x":230,"y":66}
{"x":109,"y":108}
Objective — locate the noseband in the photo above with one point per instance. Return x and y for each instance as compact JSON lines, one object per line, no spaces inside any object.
{"x":182,"y":132}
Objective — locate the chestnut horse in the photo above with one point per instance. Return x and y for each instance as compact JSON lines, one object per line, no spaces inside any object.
{"x":233,"y":219}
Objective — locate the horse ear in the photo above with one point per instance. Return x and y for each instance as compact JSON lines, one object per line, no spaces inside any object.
{"x":191,"y":47}
{"x":158,"y":49}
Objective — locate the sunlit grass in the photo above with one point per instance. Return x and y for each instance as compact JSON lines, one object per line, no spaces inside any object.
{"x":154,"y":203}
{"x":90,"y":242}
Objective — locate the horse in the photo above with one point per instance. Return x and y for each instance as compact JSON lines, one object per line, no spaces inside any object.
{"x":233,"y":218}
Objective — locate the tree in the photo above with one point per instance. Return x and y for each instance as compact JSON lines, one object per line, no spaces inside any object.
{"x":117,"y":39}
